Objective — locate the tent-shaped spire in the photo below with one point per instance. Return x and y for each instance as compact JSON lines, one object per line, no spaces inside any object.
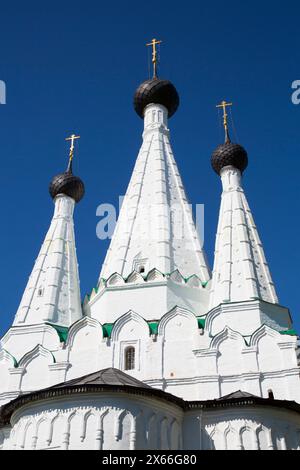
{"x":155,"y":228}
{"x":240,"y":269}
{"x":52,"y":293}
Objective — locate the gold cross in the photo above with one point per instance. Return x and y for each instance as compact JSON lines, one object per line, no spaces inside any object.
{"x":154,"y":43}
{"x":72,"y":138}
{"x":224,"y":105}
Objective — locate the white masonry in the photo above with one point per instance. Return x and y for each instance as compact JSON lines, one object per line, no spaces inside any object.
{"x":195,"y":337}
{"x":155,"y":229}
{"x":240,"y":270}
{"x":52,"y":293}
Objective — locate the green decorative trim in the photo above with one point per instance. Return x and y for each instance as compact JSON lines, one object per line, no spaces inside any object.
{"x":289,"y":332}
{"x":62,"y":331}
{"x":13,"y":358}
{"x":94,"y":289}
{"x":153,"y":325}
{"x":107,"y":329}
{"x":201,"y":322}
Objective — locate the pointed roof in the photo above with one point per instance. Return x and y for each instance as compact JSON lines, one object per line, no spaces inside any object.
{"x":52,"y":293}
{"x":240,"y":270}
{"x":155,"y":228}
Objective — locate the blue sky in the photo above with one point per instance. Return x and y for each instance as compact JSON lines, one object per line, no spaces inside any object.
{"x":74,"y":66}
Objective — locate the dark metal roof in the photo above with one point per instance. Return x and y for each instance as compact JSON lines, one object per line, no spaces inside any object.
{"x":243,"y":402}
{"x":106,"y":380}
{"x":229,"y":154}
{"x":238,"y":394}
{"x":109,"y":376}
{"x":158,"y":92}
{"x":115,"y":381}
{"x":68,"y":184}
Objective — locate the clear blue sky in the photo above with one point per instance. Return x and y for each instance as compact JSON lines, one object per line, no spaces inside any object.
{"x":74,"y":66}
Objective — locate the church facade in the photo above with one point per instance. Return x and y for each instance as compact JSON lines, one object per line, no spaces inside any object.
{"x":163,"y":353}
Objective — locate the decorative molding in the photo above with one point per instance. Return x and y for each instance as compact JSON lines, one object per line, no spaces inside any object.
{"x":174,"y":312}
{"x":61,"y":366}
{"x":79,"y":325}
{"x":135,"y":278}
{"x":264,"y":330}
{"x":30,"y":329}
{"x":119,"y":423}
{"x":119,"y":357}
{"x":34,"y":353}
{"x":5,"y":356}
{"x":226,"y":333}
{"x":154,"y":275}
{"x":177,"y":277}
{"x":194,"y":281}
{"x":114,"y":280}
{"x":124,"y":319}
{"x":292,"y":344}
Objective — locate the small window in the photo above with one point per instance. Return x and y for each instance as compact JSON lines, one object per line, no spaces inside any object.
{"x":40,"y":292}
{"x":129,"y":358}
{"x":140,"y":265}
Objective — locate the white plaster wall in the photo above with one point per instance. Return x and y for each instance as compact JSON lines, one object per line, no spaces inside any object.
{"x":150,"y":299}
{"x":240,"y":269}
{"x":52,"y":292}
{"x":84,"y":347}
{"x":179,"y":359}
{"x":120,"y":421}
{"x":247,"y":428}
{"x":33,"y":364}
{"x":246,"y":317}
{"x":179,"y":334}
{"x":20,"y":340}
{"x":103,"y":421}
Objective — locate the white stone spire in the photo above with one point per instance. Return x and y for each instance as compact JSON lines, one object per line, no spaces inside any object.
{"x":52,"y":293}
{"x":155,"y":228}
{"x":240,"y":269}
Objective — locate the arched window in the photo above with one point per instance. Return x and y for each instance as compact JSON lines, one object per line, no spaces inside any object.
{"x":129,"y":358}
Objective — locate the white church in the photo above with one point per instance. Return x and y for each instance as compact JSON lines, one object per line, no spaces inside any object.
{"x":164,"y":353}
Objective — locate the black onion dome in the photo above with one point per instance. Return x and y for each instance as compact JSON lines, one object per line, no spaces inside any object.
{"x":229,"y":154}
{"x":158,"y":92}
{"x":68,"y":184}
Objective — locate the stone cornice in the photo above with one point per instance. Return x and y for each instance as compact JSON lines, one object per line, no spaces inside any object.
{"x":6,"y":411}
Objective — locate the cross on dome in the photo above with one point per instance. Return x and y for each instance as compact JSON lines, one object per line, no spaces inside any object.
{"x":154,"y":43}
{"x":72,"y":138}
{"x":224,"y":105}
